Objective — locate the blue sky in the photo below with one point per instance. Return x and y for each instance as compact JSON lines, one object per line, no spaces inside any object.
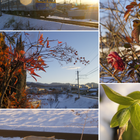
{"x":86,"y":43}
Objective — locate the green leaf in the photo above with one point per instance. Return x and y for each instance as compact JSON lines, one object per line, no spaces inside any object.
{"x":127,"y":45}
{"x":124,"y":117}
{"x":121,"y":118}
{"x":135,"y":115}
{"x":122,"y":107}
{"x":116,"y":97}
{"x":136,"y":67}
{"x":131,"y":133}
{"x":114,"y":122}
{"x":134,"y":95}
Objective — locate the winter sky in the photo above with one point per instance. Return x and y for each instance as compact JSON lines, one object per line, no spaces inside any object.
{"x":86,"y":43}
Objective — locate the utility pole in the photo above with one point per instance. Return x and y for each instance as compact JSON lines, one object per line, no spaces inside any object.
{"x":78,"y":84}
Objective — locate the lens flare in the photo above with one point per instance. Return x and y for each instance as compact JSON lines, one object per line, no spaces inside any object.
{"x":25,"y":2}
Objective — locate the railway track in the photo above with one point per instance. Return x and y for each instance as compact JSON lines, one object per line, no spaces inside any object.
{"x":80,"y":23}
{"x":89,"y":24}
{"x":66,"y":136}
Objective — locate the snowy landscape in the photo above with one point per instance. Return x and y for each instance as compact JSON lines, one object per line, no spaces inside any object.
{"x":12,"y":22}
{"x":65,"y":101}
{"x":66,"y":121}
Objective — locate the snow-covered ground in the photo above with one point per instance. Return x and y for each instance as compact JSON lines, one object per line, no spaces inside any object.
{"x":65,"y":101}
{"x":15,"y":138}
{"x":109,"y":108}
{"x":12,"y":22}
{"x":82,"y":20}
{"x":107,"y":50}
{"x":65,"y":121}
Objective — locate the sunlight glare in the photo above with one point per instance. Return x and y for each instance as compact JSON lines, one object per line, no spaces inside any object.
{"x":90,"y":1}
{"x":25,"y":2}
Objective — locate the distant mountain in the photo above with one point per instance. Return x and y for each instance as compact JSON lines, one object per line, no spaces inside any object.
{"x":37,"y":84}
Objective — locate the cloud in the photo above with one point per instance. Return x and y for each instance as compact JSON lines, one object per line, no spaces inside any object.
{"x":71,"y":67}
{"x":36,"y":72}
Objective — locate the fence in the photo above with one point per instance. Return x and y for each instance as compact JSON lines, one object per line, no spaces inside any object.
{"x":66,"y":136}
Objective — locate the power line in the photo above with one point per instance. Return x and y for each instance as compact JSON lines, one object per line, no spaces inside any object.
{"x":93,"y":71}
{"x":93,"y":58}
{"x":90,"y":62}
{"x":90,"y":72}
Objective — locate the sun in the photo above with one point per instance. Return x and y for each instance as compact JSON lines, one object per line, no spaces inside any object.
{"x":90,"y":1}
{"x":25,"y":2}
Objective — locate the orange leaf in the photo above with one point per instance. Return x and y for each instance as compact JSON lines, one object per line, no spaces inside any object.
{"x":22,"y":52}
{"x":37,"y":106}
{"x":28,"y":60}
{"x":41,"y":68}
{"x":27,"y":34}
{"x":133,"y":3}
{"x":59,"y":42}
{"x":32,"y":106}
{"x":48,"y":44}
{"x":39,"y":58}
{"x":19,"y":71}
{"x":16,"y":81}
{"x":128,"y":39}
{"x":41,"y":39}
{"x":34,"y":77}
{"x":35,"y":74}
{"x":127,"y":13}
{"x":31,"y":71}
{"x":129,"y":6}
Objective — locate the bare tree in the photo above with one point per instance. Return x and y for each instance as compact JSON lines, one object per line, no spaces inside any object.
{"x":115,"y":35}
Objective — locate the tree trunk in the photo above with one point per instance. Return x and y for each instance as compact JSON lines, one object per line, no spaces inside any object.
{"x":7,"y":83}
{"x":20,"y":86}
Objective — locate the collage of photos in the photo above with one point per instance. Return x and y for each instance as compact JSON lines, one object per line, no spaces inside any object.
{"x":69,"y":70}
{"x":49,"y":70}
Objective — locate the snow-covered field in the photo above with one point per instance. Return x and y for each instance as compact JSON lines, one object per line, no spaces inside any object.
{"x":109,"y":108}
{"x":15,"y":138}
{"x":83,"y":20}
{"x":12,"y":22}
{"x":65,"y":121}
{"x":65,"y":101}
